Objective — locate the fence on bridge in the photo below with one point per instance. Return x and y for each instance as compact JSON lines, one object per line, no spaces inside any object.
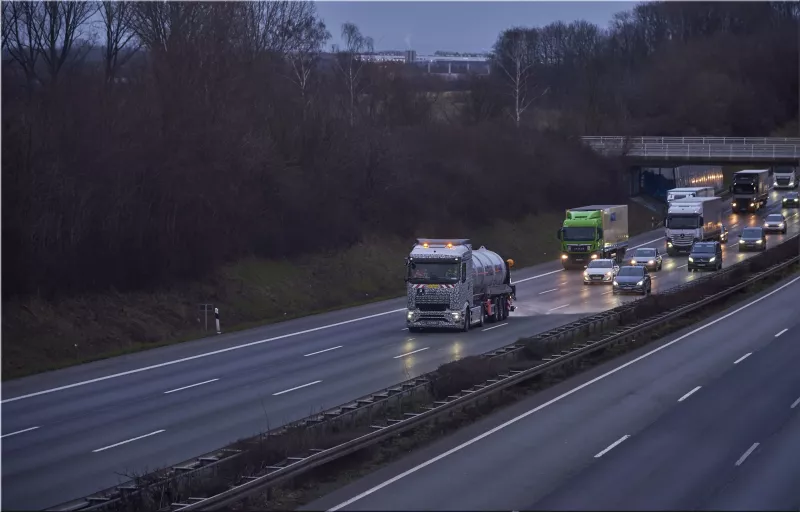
{"x":719,"y":149}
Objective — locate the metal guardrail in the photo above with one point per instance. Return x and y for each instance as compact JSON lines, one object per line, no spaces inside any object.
{"x":738,"y":141}
{"x":491,"y":386}
{"x":777,"y":152}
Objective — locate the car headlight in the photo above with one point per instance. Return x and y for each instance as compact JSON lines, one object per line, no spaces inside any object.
{"x":741,"y":241}
{"x":640,"y":283}
{"x":780,"y":225}
{"x":712,"y":259}
{"x":758,"y":241}
{"x":733,"y":204}
{"x":616,"y":283}
{"x":608,"y":274}
{"x":585,"y":274}
{"x":650,"y":262}
{"x":691,"y":259}
{"x":633,"y":262}
{"x":784,"y":199}
{"x":669,"y":244}
{"x":594,"y":256}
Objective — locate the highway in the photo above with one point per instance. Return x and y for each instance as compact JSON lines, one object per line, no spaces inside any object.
{"x":705,"y":419}
{"x":75,"y":431}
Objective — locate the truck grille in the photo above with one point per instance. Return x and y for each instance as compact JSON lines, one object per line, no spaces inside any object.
{"x":578,"y":248}
{"x":432,"y":307}
{"x":782,"y":181}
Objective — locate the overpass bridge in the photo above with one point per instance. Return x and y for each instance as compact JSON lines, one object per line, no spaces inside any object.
{"x":707,"y":150}
{"x":657,"y":164}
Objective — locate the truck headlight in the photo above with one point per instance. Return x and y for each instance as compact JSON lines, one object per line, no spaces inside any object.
{"x":691,"y":260}
{"x":650,"y":262}
{"x":410,"y":315}
{"x":741,"y":241}
{"x":564,"y":256}
{"x":713,"y":258}
{"x":594,"y":256}
{"x":456,"y":315}
{"x":752,"y":204}
{"x":633,"y":262}
{"x":758,"y":241}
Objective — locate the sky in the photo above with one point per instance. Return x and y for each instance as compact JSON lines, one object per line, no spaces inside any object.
{"x":453,"y":26}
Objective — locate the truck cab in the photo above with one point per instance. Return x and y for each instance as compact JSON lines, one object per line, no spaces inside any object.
{"x":750,"y":190}
{"x":593,"y":232}
{"x":785,"y":178}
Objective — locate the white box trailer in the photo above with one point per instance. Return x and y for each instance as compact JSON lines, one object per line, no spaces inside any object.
{"x":692,"y":219}
{"x":680,"y":193}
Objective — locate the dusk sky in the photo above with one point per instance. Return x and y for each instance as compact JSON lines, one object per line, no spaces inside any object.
{"x":455,"y":26}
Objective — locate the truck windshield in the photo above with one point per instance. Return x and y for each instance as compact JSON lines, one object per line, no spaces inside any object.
{"x":744,"y":188}
{"x":675,"y":221}
{"x":422,"y":272}
{"x":577,"y":234}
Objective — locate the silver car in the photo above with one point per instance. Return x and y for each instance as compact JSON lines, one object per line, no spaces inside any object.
{"x":600,"y":271}
{"x":775,"y":222}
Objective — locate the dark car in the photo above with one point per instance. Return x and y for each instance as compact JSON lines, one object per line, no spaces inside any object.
{"x":647,"y":257}
{"x":775,"y":223}
{"x":632,"y":279}
{"x":723,"y":235}
{"x":705,"y":255}
{"x":791,"y":200}
{"x":752,"y":239}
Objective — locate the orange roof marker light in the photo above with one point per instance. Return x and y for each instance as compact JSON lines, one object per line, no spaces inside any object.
{"x":425,"y":244}
{"x":449,"y":245}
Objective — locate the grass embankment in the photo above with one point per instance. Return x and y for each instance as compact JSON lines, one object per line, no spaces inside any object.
{"x":39,"y":335}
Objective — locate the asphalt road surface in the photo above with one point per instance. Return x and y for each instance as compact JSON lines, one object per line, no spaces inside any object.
{"x":69,"y":433}
{"x":706,"y":419}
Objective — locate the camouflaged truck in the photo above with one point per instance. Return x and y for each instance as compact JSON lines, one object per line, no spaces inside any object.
{"x":451,"y":285}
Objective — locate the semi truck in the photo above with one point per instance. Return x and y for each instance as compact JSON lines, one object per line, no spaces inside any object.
{"x":592,"y":232}
{"x":785,"y":177}
{"x":451,"y":285}
{"x":680,"y":193}
{"x":750,"y":190}
{"x":690,"y":220}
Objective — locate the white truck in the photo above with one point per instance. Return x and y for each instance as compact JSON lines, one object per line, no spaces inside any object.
{"x":451,"y":285}
{"x":785,"y":177}
{"x":680,"y":193}
{"x":690,"y":220}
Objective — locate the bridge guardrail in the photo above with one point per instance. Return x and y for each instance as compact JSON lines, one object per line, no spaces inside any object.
{"x":622,"y":140}
{"x":725,"y":151}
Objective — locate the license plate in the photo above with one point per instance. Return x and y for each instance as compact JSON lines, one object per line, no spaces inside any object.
{"x":433,"y":286}
{"x":578,"y":259}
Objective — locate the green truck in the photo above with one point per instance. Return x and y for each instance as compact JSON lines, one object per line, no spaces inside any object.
{"x":593,"y":232}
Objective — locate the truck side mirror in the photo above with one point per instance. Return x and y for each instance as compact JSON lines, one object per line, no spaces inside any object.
{"x":558,"y":233}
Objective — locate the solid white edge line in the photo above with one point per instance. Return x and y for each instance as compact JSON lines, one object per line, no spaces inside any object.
{"x":783,"y":331}
{"x":746,"y":454}
{"x":795,"y":404}
{"x":296,"y":388}
{"x":690,"y":393}
{"x":127,"y":441}
{"x":191,"y":386}
{"x":494,"y":327}
{"x":229,"y":349}
{"x":612,"y":446}
{"x":559,"y":307}
{"x":743,"y":358}
{"x":323,"y":351}
{"x":18,"y":432}
{"x":409,"y":353}
{"x":553,"y":400}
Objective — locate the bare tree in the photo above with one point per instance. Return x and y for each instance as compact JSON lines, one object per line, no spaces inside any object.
{"x":19,"y":36}
{"x":304,"y":59}
{"x":121,"y":44}
{"x":516,"y":60}
{"x":57,"y":28}
{"x":351,"y":63}
{"x":281,"y":27}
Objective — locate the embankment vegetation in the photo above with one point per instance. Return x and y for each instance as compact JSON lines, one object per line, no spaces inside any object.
{"x":160,"y":155}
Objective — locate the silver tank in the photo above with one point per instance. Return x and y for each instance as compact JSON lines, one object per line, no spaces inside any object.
{"x":490,"y":269}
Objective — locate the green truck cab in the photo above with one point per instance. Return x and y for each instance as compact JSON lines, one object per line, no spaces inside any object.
{"x":593,"y":232}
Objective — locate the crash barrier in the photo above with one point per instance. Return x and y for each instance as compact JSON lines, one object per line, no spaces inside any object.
{"x":564,"y":346}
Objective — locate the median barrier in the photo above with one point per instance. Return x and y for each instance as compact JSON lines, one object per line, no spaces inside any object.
{"x":330,"y":435}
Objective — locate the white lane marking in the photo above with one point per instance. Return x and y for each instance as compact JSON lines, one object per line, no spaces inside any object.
{"x":537,"y":277}
{"x":409,"y":353}
{"x":524,"y":415}
{"x":612,"y":446}
{"x":733,"y":244}
{"x":746,"y":454}
{"x":229,"y":349}
{"x":18,"y":432}
{"x":323,"y":351}
{"x":650,"y":242}
{"x":192,"y":386}
{"x":606,"y":293}
{"x":681,"y":266}
{"x":795,"y":404}
{"x":296,"y":388}
{"x":199,"y":356}
{"x":495,"y":327}
{"x":128,"y":441}
{"x":743,"y":358}
{"x":548,"y":291}
{"x":783,"y":331}
{"x":404,"y":329}
{"x":690,"y":393}
{"x":559,"y":307}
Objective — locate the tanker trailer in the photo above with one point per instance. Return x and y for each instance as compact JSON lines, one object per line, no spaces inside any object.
{"x":450,"y":285}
